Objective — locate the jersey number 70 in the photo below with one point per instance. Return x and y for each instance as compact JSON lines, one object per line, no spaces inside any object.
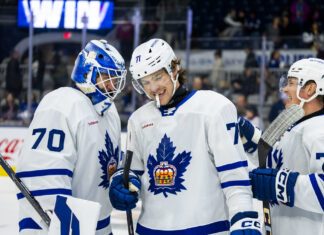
{"x":52,"y":134}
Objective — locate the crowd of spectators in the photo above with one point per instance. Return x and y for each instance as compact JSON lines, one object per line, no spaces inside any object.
{"x":48,"y":73}
{"x":289,"y":18}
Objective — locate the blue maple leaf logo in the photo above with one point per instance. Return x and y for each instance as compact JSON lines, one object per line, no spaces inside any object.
{"x":277,"y":156}
{"x":166,"y":170}
{"x":108,"y":160}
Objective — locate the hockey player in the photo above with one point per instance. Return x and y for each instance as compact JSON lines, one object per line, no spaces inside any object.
{"x":294,"y":179}
{"x":188,"y":161}
{"x":73,"y":142}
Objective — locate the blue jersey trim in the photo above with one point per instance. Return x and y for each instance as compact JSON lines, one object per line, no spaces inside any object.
{"x":317,"y":190}
{"x":36,"y":173}
{"x":28,"y":223}
{"x":103,"y":223}
{"x":236,"y":183}
{"x":216,"y":227}
{"x":232,"y":166}
{"x":167,"y":112}
{"x":45,"y":192}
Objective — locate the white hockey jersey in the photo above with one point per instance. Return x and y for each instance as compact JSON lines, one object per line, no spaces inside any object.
{"x":69,"y":150}
{"x":301,"y":149}
{"x":192,"y":165}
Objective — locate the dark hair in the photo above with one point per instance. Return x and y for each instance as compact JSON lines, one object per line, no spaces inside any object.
{"x":182,"y":72}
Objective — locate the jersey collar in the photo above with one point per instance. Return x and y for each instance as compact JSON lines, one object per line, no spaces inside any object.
{"x":169,"y":110}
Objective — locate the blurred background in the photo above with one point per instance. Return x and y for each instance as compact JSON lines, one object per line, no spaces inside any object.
{"x":239,"y":48}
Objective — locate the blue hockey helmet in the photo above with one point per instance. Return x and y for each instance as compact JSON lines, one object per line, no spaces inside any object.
{"x":99,"y":72}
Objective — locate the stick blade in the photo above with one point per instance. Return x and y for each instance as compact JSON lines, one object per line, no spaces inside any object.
{"x":285,"y":120}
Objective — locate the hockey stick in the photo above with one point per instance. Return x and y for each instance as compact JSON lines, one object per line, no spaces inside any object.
{"x":25,"y":191}
{"x":270,"y":136}
{"x":128,"y":161}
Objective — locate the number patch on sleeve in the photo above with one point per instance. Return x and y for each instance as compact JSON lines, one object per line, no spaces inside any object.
{"x":236,"y":133}
{"x":55,"y":140}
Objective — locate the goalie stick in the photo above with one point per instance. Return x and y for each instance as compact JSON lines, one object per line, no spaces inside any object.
{"x":270,"y":136}
{"x":25,"y":191}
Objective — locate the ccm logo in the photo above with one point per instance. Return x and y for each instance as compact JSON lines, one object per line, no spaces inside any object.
{"x":250,"y":223}
{"x":281,"y":185}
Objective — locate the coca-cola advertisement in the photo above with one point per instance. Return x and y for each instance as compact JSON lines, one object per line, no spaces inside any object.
{"x":11,"y":142}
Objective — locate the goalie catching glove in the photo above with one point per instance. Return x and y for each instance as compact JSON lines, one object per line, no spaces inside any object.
{"x":123,"y":198}
{"x":274,"y":185}
{"x":245,"y":223}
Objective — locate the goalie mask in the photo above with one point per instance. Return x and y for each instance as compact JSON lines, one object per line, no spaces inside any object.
{"x":150,"y":57}
{"x":304,"y":70}
{"x":99,"y":72}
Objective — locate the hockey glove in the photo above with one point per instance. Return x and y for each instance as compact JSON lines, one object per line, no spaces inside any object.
{"x":245,"y":223}
{"x":274,"y":185}
{"x":122,"y":198}
{"x":250,"y":135}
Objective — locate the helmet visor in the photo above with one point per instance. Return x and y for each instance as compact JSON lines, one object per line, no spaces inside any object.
{"x":283,"y":82}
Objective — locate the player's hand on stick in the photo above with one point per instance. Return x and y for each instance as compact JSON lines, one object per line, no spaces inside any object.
{"x":274,"y":185}
{"x":250,"y":135}
{"x":122,"y":198}
{"x":245,"y":223}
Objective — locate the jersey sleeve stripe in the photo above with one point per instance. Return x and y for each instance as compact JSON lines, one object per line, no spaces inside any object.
{"x":103,"y":223}
{"x":219,"y":226}
{"x":36,"y":173}
{"x":232,"y":166}
{"x":317,"y":190}
{"x":46,"y":192}
{"x":236,"y":183}
{"x":28,"y":223}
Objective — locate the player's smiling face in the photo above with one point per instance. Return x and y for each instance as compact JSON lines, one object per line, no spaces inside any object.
{"x":291,"y":91}
{"x":158,"y":83}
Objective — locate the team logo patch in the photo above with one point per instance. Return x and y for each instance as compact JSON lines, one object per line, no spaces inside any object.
{"x":278,"y":157}
{"x":166,"y":170}
{"x":275,"y":156}
{"x":108,"y":160}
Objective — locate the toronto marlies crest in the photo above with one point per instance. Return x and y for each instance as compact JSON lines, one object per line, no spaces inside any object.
{"x":108,"y":161}
{"x":166,"y":170}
